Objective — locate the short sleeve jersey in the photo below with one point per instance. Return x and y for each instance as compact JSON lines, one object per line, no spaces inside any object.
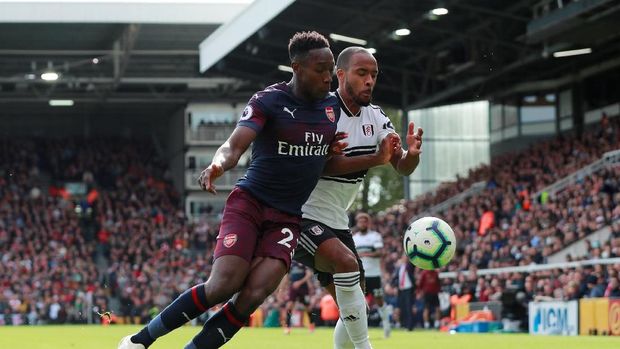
{"x":291,"y":146}
{"x":333,"y":195}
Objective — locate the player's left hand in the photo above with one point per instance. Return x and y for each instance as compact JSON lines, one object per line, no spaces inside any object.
{"x":414,"y":140}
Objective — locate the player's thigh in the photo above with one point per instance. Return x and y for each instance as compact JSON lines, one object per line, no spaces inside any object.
{"x":331,"y":255}
{"x":313,"y":235}
{"x":279,"y":236}
{"x":240,"y":226}
{"x":347,"y":239}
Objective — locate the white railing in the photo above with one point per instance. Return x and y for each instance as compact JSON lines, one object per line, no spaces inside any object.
{"x":534,"y":267}
{"x":217,"y":133}
{"x":611,"y":158}
{"x":227,"y":180}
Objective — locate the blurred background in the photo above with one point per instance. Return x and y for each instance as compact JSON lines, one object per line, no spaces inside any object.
{"x":110,"y":110}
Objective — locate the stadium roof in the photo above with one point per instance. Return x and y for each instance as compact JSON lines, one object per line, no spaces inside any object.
{"x":480,"y":48}
{"x":120,"y":57}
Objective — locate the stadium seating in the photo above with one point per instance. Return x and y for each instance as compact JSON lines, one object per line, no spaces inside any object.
{"x":124,"y":244}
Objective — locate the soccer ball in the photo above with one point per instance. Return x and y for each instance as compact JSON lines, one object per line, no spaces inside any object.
{"x":429,"y":243}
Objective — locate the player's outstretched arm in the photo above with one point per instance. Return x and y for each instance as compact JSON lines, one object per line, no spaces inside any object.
{"x":226,"y":156}
{"x":340,"y":164}
{"x":405,"y":162}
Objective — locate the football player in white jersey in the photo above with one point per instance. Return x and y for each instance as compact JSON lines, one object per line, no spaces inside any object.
{"x":326,"y":244}
{"x":369,"y":246}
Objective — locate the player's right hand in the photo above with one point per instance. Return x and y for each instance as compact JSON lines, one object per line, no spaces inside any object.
{"x":337,"y":147}
{"x":208,"y":176}
{"x":388,"y":145}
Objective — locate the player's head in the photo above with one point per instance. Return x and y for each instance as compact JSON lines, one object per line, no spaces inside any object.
{"x":362,"y":222}
{"x":312,"y":62}
{"x":357,"y":72}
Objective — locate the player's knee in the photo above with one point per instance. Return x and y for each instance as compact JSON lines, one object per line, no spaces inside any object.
{"x":256,"y":296}
{"x":346,"y":263}
{"x":221,"y":289}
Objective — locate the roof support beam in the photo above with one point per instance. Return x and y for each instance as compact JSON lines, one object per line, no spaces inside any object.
{"x":465,"y":85}
{"x":228,"y":36}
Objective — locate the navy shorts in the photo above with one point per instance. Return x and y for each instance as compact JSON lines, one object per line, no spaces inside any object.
{"x":299,"y":294}
{"x":251,"y":229}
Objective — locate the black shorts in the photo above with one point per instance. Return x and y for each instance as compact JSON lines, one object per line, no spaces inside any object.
{"x":431,"y":300}
{"x":313,"y":234}
{"x":374,"y":287}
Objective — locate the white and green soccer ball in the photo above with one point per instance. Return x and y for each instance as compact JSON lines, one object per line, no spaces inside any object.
{"x":429,"y":243}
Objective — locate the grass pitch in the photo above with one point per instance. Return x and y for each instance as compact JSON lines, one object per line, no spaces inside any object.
{"x":100,"y":337}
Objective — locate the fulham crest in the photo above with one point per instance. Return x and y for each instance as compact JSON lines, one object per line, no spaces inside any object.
{"x":368,"y":130}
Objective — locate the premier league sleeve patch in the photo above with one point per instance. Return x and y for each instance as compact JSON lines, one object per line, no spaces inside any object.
{"x":247,"y":113}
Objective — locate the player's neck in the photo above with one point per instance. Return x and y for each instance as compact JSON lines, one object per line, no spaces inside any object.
{"x":298,"y":92}
{"x":353,"y":107}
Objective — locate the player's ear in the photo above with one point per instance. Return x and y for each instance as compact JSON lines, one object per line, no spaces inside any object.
{"x":296,"y":67}
{"x":340,"y":73}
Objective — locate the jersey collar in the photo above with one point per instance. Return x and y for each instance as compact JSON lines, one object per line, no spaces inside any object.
{"x":345,"y":109}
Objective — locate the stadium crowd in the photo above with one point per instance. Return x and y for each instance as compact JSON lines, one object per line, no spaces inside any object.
{"x":125,"y":245}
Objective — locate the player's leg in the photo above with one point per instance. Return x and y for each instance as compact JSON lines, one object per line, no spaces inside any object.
{"x":227,"y":276}
{"x":263,"y":279}
{"x":288,"y":309}
{"x":272,"y":261}
{"x":426,"y":312}
{"x":233,"y":253}
{"x":338,"y":256}
{"x":375,"y":288}
{"x":323,"y":249}
{"x":437,"y":310}
{"x":304,"y":300}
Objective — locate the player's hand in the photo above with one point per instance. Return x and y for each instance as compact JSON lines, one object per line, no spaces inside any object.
{"x":296,"y":285}
{"x":388,"y":146}
{"x":337,"y":147}
{"x":414,"y":140}
{"x":208,"y":176}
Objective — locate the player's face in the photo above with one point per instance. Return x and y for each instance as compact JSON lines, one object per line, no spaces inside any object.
{"x":314,"y":73}
{"x":362,"y":224}
{"x":360,"y":78}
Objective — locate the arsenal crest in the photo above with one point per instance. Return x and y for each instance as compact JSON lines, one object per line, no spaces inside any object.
{"x":329,"y":111}
{"x":229,"y":240}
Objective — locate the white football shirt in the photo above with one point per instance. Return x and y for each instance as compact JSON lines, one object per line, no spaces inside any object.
{"x":369,"y":242}
{"x":333,"y":195}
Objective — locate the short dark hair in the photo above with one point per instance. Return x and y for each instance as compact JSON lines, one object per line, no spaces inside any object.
{"x":302,"y":42}
{"x":344,"y":58}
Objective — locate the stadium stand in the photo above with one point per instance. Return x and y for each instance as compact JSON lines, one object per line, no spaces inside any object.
{"x":125,"y":245}
{"x":66,"y":257}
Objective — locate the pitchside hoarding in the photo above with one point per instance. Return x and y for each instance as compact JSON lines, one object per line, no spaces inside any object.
{"x":554,"y":318}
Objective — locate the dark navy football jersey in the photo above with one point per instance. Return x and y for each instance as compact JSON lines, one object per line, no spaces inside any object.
{"x":297,"y":271}
{"x":291,"y":146}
